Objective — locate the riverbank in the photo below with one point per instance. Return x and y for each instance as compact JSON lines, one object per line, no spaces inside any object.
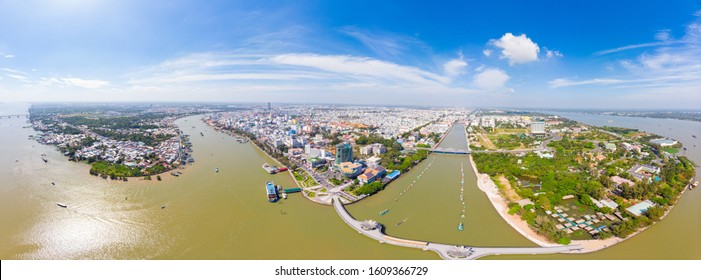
{"x":487,"y":185}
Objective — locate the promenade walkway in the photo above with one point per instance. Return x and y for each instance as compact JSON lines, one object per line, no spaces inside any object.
{"x":451,"y":252}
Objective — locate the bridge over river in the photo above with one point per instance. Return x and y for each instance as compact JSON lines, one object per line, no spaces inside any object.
{"x":451,"y":252}
{"x":13,"y":116}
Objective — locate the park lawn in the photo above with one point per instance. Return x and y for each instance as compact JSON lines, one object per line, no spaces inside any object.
{"x":510,"y":131}
{"x":671,"y":150}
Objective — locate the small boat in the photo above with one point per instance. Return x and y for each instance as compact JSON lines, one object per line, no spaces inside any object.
{"x":461,"y":226}
{"x":45,"y":160}
{"x":693,"y":136}
{"x":62,"y":205}
{"x":383,"y":212}
{"x":284,"y":195}
{"x":163,"y":207}
{"x":216,"y":169}
{"x":52,"y":183}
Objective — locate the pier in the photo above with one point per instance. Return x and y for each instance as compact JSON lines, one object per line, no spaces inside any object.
{"x":373,"y":230}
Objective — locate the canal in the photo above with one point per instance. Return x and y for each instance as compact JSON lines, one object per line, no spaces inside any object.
{"x":424,"y":204}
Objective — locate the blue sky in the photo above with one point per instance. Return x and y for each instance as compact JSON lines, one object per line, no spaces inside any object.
{"x":582,"y":54}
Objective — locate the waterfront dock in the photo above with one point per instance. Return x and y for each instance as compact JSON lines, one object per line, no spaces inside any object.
{"x":373,"y":230}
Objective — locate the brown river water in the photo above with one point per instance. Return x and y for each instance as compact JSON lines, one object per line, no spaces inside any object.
{"x":225,"y":215}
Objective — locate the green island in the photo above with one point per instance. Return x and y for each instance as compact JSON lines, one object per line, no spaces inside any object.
{"x":118,"y":141}
{"x":584,"y":182}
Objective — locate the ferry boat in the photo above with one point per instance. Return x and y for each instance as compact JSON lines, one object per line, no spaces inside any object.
{"x":271,"y":191}
{"x":62,"y":205}
{"x":461,"y":226}
{"x":383,"y":212}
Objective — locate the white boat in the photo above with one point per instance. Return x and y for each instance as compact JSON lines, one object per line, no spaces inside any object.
{"x":62,"y":205}
{"x":216,"y":169}
{"x":284,"y":195}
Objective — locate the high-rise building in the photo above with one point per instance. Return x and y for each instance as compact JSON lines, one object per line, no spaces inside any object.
{"x":538,"y":127}
{"x":344,"y":153}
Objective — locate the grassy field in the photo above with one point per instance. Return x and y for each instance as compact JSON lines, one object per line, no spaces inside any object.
{"x":671,"y":150}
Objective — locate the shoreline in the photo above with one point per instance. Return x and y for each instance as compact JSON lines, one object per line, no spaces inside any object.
{"x":485,"y":184}
{"x":289,"y":172}
{"x":316,"y":199}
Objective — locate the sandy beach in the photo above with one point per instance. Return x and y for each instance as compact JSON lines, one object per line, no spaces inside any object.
{"x":485,"y":183}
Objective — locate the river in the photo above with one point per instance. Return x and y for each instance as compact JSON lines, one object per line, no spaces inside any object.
{"x":225,"y":215}
{"x":208,"y":215}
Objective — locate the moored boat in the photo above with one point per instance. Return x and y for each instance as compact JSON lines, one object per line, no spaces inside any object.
{"x":461,"y":226}
{"x":271,"y":191}
{"x":383,"y":212}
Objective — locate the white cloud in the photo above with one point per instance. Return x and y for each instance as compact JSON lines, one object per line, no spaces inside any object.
{"x":551,"y":53}
{"x":663,"y":35}
{"x":562,"y":82}
{"x":636,"y":46}
{"x":455,"y":67}
{"x":517,"y":49}
{"x":17,"y":77}
{"x":361,"y":68}
{"x":383,"y":44}
{"x":487,"y":52}
{"x":9,"y":56}
{"x":305,"y":73}
{"x":89,"y":84}
{"x":491,"y":79}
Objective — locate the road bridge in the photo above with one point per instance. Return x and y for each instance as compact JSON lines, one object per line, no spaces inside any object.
{"x":446,"y":251}
{"x":13,"y":116}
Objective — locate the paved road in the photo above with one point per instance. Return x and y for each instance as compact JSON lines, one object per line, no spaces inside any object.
{"x":446,"y":251}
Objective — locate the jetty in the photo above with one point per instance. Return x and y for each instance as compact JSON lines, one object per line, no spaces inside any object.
{"x":374,"y":230}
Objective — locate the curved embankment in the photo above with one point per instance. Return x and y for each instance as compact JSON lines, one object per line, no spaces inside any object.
{"x":485,"y":184}
{"x":450,"y":252}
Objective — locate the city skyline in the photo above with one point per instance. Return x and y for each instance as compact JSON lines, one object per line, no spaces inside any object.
{"x":511,"y":54}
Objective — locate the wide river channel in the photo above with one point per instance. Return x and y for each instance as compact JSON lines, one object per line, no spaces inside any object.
{"x":225,"y":215}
